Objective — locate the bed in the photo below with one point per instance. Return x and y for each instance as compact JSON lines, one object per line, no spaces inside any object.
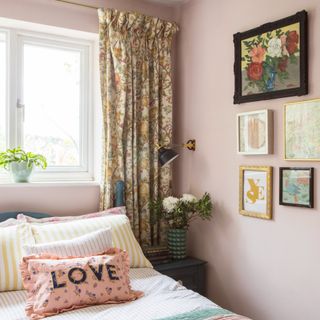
{"x":164,"y":299}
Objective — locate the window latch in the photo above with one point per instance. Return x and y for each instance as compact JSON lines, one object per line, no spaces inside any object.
{"x":21,"y":106}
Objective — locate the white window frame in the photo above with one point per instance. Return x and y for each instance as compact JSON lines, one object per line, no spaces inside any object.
{"x":18,"y":33}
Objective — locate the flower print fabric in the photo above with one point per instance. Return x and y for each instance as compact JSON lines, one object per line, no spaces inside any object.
{"x":56,"y":285}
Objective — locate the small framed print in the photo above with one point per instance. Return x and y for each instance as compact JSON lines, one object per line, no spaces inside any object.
{"x":302,"y":130}
{"x":296,"y":187}
{"x":255,"y":196}
{"x":255,"y":132}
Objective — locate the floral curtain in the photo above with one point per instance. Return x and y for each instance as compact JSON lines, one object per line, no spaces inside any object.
{"x":136,"y":88}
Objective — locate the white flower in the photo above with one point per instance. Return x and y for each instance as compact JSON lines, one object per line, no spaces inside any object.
{"x":169,"y":203}
{"x":188,"y":197}
{"x":274,"y":47}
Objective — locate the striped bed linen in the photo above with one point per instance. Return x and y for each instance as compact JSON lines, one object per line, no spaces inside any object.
{"x":122,"y":235}
{"x":163,"y":297}
{"x":12,"y":239}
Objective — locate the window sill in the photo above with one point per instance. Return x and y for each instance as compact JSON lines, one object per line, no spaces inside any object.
{"x":49,"y":184}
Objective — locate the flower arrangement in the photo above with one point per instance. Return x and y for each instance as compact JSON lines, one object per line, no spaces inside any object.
{"x":268,"y":56}
{"x":179,"y":212}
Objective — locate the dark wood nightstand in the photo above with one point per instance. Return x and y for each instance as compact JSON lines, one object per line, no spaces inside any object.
{"x":190,"y":271}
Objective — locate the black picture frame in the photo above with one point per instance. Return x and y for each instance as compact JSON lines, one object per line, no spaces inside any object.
{"x":311,"y":187}
{"x":300,"y":17}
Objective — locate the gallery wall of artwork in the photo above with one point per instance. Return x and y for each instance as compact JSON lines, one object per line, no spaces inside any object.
{"x":271,"y":61}
{"x":264,"y":268}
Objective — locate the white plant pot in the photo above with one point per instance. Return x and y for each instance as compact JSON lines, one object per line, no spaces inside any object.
{"x":20,"y":172}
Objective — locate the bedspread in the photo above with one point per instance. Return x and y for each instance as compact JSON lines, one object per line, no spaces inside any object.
{"x":163,"y":298}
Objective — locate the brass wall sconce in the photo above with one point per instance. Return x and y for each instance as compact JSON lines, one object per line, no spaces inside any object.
{"x":167,"y":155}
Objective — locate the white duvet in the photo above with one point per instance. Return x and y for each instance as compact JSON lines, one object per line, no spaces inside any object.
{"x":163,"y":297}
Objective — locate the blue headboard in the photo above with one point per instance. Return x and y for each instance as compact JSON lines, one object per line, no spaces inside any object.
{"x":7,"y":215}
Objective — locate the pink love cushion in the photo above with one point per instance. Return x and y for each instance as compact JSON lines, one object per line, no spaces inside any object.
{"x":56,"y":285}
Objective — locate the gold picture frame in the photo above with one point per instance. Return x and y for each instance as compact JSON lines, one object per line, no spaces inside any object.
{"x":301,"y":134}
{"x":255,"y":191}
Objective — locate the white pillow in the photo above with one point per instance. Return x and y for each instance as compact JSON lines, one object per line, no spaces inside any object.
{"x":10,"y":222}
{"x":122,"y":235}
{"x":86,"y":245}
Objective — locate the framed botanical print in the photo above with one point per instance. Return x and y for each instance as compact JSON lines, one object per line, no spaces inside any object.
{"x":271,"y":61}
{"x":255,"y":132}
{"x":296,"y":187}
{"x":302,"y":130}
{"x":255,"y":196}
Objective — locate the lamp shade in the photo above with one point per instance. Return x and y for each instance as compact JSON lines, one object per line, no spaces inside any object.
{"x":166,"y":156}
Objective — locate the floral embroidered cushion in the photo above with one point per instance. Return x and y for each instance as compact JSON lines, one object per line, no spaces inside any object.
{"x":56,"y":285}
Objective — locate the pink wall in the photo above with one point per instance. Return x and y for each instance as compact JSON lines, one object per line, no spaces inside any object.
{"x":268,"y":270}
{"x":58,"y":199}
{"x":67,"y":198}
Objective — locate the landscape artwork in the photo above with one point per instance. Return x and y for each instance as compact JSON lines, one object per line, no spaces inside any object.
{"x":271,"y":60}
{"x":302,"y":130}
{"x":296,"y":187}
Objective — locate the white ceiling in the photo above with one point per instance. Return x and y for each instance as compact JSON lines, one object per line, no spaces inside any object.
{"x":169,"y":2}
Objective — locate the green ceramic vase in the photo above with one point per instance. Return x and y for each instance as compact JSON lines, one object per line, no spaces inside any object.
{"x":20,"y":172}
{"x":177,"y":243}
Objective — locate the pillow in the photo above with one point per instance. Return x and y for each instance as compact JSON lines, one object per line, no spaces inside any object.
{"x":117,"y":210}
{"x":55,"y":285}
{"x":88,"y":244}
{"x":122,"y":235}
{"x":9,"y":222}
{"x":12,"y":239}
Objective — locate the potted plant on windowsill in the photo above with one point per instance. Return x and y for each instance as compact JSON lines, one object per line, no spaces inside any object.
{"x":21,"y":163}
{"x":178,"y":213}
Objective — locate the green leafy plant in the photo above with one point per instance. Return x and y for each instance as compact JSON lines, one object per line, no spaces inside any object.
{"x":19,"y":155}
{"x":178,"y":213}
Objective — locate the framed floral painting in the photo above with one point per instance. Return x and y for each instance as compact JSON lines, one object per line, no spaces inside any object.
{"x":255,"y":132}
{"x":296,"y":187}
{"x":271,"y":61}
{"x":255,"y":191}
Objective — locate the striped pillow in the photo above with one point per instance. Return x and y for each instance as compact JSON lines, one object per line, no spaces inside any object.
{"x":122,"y":235}
{"x":86,"y":245}
{"x":12,"y":240}
{"x":54,"y":219}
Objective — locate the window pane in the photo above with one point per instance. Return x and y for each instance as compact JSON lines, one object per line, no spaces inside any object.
{"x":3,"y":89}
{"x":52,"y":103}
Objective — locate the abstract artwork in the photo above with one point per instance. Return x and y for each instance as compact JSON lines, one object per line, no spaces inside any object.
{"x":255,"y":132}
{"x":271,"y":60}
{"x":296,"y":187}
{"x":255,"y":196}
{"x":302,"y":130}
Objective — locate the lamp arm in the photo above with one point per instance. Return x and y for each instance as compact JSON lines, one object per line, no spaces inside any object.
{"x":190,"y":145}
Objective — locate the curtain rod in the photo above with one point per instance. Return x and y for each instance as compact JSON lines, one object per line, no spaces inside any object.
{"x":79,"y":4}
